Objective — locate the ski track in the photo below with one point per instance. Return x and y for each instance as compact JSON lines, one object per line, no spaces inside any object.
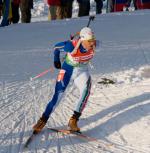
{"x":24,"y":102}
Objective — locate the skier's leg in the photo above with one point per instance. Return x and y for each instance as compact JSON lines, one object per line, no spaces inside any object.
{"x":55,"y":100}
{"x":61,"y":84}
{"x":83,"y":83}
{"x":99,"y":6}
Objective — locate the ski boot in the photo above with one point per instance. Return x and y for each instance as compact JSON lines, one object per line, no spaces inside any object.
{"x":40,"y":124}
{"x":73,"y":122}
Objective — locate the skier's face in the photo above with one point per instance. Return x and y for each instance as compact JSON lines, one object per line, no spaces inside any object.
{"x":89,"y":44}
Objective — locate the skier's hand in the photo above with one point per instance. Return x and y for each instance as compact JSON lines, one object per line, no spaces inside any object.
{"x":57,"y":64}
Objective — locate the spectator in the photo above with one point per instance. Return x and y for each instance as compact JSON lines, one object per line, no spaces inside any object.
{"x":54,"y":9}
{"x":110,"y":6}
{"x":66,"y":6}
{"x":1,"y":6}
{"x":25,"y":7}
{"x":99,"y":6}
{"x":128,"y":4}
{"x":84,"y":7}
{"x":6,"y":11}
{"x":15,"y":11}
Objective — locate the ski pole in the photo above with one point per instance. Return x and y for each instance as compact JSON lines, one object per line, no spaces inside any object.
{"x":91,"y":18}
{"x":42,"y":74}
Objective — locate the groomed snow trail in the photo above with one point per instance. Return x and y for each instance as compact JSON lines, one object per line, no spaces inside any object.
{"x":108,"y":117}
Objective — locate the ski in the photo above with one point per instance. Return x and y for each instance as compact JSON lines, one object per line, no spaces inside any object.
{"x":79,"y":134}
{"x":83,"y":136}
{"x":30,"y":139}
{"x":101,"y":144}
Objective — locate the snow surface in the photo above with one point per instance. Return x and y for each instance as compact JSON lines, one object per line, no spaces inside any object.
{"x":117,"y":114}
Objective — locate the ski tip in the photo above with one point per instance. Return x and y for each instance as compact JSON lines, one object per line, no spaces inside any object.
{"x":25,"y":146}
{"x":27,"y":143}
{"x":30,"y":139}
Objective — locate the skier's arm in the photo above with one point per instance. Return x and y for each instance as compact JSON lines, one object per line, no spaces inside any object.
{"x":59,"y":47}
{"x":68,"y":46}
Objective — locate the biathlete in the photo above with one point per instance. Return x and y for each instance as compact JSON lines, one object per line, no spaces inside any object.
{"x":74,"y":68}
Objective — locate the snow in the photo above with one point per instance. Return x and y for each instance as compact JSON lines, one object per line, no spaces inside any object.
{"x":116,"y":113}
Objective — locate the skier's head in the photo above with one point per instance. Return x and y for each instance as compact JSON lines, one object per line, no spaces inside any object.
{"x":87,"y":34}
{"x":87,"y":38}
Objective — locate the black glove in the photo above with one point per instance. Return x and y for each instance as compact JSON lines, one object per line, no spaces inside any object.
{"x":57,"y":64}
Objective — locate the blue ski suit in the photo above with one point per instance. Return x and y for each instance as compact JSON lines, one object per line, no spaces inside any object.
{"x":74,"y":68}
